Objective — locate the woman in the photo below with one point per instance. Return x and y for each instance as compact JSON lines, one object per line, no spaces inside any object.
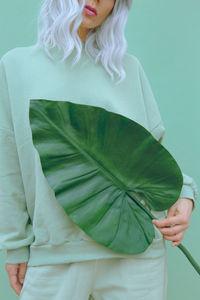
{"x":48,"y":256}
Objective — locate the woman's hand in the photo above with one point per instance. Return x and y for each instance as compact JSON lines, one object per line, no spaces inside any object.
{"x":177,"y":221}
{"x":16,"y":274}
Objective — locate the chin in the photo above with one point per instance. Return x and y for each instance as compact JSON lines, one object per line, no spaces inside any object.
{"x":87,"y":25}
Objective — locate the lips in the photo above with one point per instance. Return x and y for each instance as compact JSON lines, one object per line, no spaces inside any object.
{"x":91,"y":9}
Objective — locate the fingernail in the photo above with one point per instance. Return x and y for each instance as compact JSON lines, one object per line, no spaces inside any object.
{"x":21,"y":281}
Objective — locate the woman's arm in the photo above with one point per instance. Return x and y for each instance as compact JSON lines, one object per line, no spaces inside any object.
{"x":15,"y":230}
{"x":178,"y":217}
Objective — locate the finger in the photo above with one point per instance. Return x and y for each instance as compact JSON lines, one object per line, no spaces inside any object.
{"x":175,"y":244}
{"x":15,"y":284}
{"x":12,"y":270}
{"x":169,"y":221}
{"x":174,"y":238}
{"x":173,"y":229}
{"x":22,"y":272}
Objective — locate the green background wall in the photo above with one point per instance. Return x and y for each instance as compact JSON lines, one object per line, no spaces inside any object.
{"x":165,"y":36}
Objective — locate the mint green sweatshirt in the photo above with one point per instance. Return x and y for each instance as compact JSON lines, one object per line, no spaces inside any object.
{"x":33,"y":225}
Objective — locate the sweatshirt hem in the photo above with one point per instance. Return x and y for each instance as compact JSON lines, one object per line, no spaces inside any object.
{"x":86,"y":250}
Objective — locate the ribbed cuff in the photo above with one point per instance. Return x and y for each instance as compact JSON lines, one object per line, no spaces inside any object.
{"x":187,"y":192}
{"x":19,"y":255}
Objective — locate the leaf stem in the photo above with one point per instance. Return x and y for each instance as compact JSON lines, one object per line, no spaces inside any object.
{"x":196,"y":266}
{"x":136,"y":199}
{"x":190,"y":258}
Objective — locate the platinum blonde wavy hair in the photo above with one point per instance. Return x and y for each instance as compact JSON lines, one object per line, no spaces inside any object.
{"x":105,"y":43}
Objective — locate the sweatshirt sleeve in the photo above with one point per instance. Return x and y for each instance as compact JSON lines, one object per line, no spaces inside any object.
{"x":189,"y":188}
{"x":15,"y":227}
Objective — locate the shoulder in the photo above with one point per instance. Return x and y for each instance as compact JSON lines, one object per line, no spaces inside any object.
{"x":15,"y":52}
{"x":130,"y":58}
{"x":132,"y":64}
{"x":18,"y":54}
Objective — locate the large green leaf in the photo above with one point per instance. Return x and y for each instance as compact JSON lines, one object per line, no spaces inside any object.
{"x":101,"y":165}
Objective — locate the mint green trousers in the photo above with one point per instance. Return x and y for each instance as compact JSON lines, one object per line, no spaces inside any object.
{"x":102,"y":279}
